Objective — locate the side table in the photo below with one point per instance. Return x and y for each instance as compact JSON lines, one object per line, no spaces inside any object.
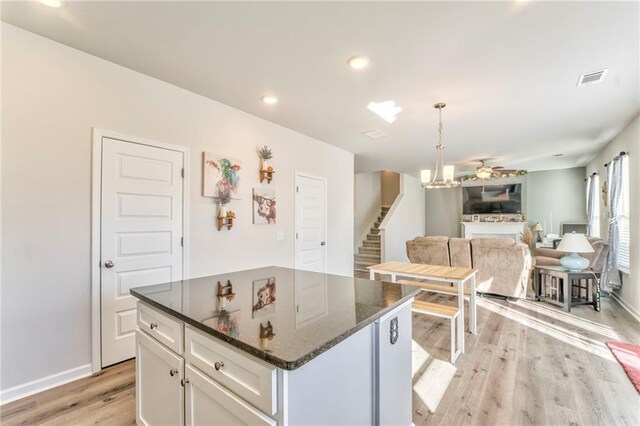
{"x":556,"y":284}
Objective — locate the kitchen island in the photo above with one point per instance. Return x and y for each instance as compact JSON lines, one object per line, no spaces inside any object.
{"x":274,"y":346}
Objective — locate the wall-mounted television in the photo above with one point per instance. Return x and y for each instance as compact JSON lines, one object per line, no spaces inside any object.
{"x":492,"y":199}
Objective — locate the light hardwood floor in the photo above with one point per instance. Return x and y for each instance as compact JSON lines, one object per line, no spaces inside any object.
{"x":529,"y":364}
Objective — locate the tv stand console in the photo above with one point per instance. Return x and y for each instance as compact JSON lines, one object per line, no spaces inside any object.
{"x":513,"y":230}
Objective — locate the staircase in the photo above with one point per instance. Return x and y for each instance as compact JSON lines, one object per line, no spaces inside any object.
{"x":369,"y":252}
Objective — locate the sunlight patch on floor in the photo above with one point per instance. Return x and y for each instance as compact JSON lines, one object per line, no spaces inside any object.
{"x":433,"y":383}
{"x":419,"y":358}
{"x":552,"y":330}
{"x":568,"y":318}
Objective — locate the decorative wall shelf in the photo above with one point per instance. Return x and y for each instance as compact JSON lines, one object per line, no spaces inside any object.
{"x":266,"y":174}
{"x":225,"y":221}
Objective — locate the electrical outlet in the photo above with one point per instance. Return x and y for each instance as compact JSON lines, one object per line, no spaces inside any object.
{"x":279,"y":235}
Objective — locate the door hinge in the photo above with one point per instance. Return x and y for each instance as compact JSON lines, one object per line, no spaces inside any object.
{"x":182,"y":173}
{"x":181,"y":241}
{"x":297,"y":189}
{"x":296,"y":235}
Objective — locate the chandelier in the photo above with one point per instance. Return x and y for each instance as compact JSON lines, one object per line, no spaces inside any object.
{"x":443,"y":175}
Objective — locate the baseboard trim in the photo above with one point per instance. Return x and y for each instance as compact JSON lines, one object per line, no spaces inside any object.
{"x":48,"y":382}
{"x":626,"y":306}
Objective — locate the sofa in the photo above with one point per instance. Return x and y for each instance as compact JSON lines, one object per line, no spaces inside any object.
{"x":597,"y":259}
{"x":504,"y":266}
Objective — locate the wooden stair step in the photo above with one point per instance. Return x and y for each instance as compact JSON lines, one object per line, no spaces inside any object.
{"x":363,"y":264}
{"x":368,"y":256}
{"x":369,"y":250}
{"x":436,"y":309}
{"x":369,"y":244}
{"x":436,"y":287}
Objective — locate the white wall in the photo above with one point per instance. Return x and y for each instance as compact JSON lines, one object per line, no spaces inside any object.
{"x":555,"y":197}
{"x":367,"y":197}
{"x":629,"y":141}
{"x":52,"y":96}
{"x":404,"y":221}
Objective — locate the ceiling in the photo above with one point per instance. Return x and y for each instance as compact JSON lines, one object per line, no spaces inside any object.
{"x":507,"y":70}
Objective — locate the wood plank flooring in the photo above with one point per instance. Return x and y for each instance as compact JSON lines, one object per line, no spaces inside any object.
{"x":530,"y":364}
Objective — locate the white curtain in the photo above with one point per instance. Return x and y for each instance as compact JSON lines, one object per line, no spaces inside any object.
{"x":593,"y":206}
{"x":611,"y":278}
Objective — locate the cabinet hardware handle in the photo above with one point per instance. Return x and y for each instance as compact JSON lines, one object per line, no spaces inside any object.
{"x":173,"y":372}
{"x":153,"y":325}
{"x":218,"y":365}
{"x":183,"y":382}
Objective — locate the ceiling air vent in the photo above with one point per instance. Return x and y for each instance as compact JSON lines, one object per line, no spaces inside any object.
{"x":374,"y":134}
{"x":591,"y":78}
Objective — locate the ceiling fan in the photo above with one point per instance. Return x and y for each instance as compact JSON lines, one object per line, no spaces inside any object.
{"x":486,"y":172}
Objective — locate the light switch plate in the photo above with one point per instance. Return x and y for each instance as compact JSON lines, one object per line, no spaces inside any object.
{"x":279,"y":235}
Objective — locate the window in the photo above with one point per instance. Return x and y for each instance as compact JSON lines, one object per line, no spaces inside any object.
{"x":623,"y":217}
{"x":593,"y":205}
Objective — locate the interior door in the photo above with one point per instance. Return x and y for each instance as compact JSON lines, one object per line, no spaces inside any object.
{"x":310,"y":223}
{"x":141,"y":234}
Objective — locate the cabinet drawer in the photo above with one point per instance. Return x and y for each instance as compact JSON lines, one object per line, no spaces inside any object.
{"x":163,"y":328}
{"x":251,"y":379}
{"x":208,"y":403}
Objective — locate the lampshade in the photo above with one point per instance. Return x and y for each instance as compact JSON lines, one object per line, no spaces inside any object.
{"x":575,"y":243}
{"x":425,"y":176}
{"x":447,"y":173}
{"x":537,"y":227}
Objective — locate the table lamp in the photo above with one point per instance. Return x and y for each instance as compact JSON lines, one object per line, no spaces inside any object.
{"x":538,"y":228}
{"x":575,"y":243}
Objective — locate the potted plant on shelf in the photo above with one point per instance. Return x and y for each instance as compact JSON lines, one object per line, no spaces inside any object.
{"x":224,"y":198}
{"x":265,"y":155}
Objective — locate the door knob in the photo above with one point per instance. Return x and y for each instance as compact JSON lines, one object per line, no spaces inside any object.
{"x":322,"y":243}
{"x":108,"y":264}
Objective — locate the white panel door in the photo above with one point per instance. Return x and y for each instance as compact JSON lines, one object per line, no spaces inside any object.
{"x":310,"y":221}
{"x":141,"y":234}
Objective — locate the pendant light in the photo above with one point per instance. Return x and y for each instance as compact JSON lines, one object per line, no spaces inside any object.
{"x":443,"y":175}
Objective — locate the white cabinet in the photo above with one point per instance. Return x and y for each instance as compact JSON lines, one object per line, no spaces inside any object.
{"x":251,"y":379}
{"x":208,"y":403}
{"x":159,"y":392}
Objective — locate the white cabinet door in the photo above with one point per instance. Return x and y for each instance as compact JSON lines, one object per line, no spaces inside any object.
{"x":141,"y":231}
{"x":159,"y":394}
{"x":209,"y":404}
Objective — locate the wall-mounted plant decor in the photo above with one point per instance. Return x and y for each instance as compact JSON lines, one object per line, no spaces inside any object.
{"x":220,"y":173}
{"x":266,"y":170}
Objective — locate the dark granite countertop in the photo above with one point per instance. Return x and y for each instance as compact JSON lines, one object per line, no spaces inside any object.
{"x":283,"y":316}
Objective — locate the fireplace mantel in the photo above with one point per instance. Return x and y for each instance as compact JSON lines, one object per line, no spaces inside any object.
{"x":513,"y":230}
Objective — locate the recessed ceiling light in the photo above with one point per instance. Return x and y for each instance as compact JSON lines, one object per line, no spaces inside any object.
{"x":358,"y":62}
{"x":386,"y":110}
{"x":269,"y":99}
{"x":53,"y":3}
